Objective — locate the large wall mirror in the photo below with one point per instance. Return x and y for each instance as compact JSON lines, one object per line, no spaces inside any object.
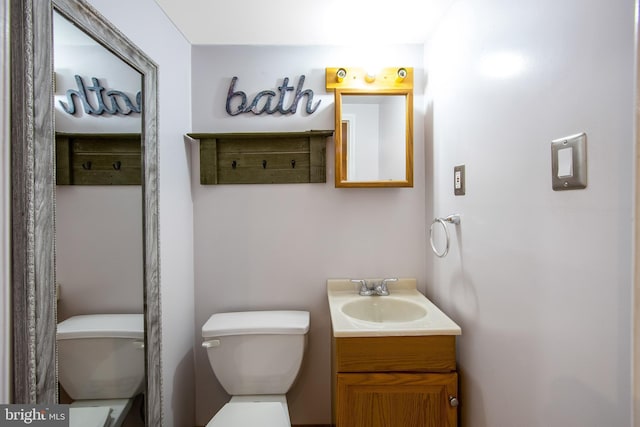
{"x":373,"y":127}
{"x":84,"y":252}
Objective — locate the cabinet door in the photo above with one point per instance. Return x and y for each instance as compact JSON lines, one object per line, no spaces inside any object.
{"x":396,"y":400}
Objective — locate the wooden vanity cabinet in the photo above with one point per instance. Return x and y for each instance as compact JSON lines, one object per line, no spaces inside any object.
{"x":394,"y":382}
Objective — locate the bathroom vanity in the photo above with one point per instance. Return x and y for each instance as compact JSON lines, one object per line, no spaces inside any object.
{"x":393,"y":358}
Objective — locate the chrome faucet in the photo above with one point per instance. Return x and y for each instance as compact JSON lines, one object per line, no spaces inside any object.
{"x":374,"y":288}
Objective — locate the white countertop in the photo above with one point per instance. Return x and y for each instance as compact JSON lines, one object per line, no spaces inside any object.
{"x":343,"y":291}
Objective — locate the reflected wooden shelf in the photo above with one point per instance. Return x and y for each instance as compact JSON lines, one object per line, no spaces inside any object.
{"x":98,"y":159}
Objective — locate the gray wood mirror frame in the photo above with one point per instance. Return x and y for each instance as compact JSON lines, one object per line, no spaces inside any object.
{"x":33,"y":198}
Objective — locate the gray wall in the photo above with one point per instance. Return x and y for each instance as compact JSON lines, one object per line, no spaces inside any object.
{"x":274,"y":246}
{"x":540,"y":281}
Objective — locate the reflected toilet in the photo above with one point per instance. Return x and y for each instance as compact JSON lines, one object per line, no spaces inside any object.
{"x":256,"y":356}
{"x":101,"y":362}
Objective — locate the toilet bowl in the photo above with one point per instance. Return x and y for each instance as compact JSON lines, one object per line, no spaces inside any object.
{"x":101,"y":362}
{"x":256,"y":357}
{"x":89,"y":417}
{"x":116,"y":409}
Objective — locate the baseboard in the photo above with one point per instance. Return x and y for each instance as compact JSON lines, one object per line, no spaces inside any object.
{"x":303,"y":425}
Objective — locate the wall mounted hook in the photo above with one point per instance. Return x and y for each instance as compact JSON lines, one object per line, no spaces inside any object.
{"x":86,"y":165}
{"x":293,"y":164}
{"x":264,"y":164}
{"x":234,"y":164}
{"x":117,"y":165}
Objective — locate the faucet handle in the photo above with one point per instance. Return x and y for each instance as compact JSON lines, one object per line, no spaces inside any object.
{"x":364,"y":289}
{"x":382,"y":289}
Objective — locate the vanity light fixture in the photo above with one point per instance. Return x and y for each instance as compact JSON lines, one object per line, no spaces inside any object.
{"x":385,"y":78}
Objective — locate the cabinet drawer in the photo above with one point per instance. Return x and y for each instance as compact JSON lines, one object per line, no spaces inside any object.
{"x":386,"y":354}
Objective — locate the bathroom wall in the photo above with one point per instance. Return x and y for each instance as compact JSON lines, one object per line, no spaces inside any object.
{"x":274,"y":246}
{"x":146,"y":25}
{"x":5,"y":215}
{"x":540,"y":281}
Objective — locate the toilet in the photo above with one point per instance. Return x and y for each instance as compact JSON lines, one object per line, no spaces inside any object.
{"x":256,"y":356}
{"x":101,"y":363}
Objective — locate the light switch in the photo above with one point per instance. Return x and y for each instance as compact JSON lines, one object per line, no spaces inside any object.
{"x":565,"y":162}
{"x":569,"y":162}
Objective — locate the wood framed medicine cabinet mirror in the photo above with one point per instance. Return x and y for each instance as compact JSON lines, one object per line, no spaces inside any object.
{"x":373,"y":126}
{"x":35,"y":32}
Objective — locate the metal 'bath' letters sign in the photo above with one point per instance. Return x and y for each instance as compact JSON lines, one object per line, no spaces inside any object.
{"x":262,"y":102}
{"x":99,"y":92}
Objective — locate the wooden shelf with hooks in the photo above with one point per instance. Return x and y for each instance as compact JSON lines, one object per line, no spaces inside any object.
{"x":263,"y":157}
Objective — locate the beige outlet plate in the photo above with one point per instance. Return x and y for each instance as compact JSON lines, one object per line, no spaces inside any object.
{"x":459,"y":180}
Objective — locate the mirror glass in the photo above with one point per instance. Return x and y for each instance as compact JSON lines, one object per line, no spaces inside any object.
{"x":99,"y":228}
{"x":373,"y":137}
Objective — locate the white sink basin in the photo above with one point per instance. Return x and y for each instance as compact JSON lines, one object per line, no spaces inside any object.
{"x":405,"y":312}
{"x":383,"y":309}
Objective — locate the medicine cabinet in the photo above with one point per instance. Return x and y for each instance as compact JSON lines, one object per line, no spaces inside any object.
{"x":373,"y":126}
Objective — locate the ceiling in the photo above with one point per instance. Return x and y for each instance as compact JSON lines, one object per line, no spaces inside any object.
{"x":305,"y":22}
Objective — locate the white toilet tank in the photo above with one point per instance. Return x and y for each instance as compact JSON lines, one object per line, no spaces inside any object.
{"x":101,"y":356}
{"x":256,"y":352}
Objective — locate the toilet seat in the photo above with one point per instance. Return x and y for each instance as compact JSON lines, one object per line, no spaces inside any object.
{"x":243,"y":414}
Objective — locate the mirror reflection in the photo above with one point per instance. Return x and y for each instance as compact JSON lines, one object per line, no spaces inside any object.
{"x":373,"y":137}
{"x":99,"y":233}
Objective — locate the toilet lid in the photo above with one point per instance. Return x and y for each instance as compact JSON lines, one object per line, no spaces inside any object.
{"x":243,"y":414}
{"x":282,"y":322}
{"x":101,"y":326}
